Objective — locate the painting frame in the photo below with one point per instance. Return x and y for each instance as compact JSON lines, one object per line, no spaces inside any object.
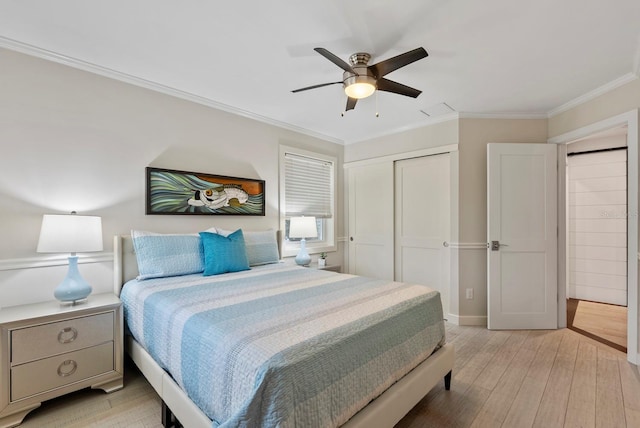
{"x":178,"y":192}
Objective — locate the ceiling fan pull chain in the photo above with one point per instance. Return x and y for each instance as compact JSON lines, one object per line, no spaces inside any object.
{"x":377,"y":114}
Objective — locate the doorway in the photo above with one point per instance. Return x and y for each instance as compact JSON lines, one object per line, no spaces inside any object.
{"x":596,"y":207}
{"x":629,"y":119}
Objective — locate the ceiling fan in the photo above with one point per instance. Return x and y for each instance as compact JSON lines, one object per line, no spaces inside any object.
{"x":361,"y":80}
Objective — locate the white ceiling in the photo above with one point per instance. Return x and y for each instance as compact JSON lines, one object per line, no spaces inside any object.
{"x":514,"y":57}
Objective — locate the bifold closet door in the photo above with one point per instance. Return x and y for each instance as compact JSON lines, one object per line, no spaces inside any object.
{"x":422,"y":222}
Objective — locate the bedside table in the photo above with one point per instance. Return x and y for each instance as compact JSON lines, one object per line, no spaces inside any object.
{"x":49,"y":349}
{"x":332,"y":268}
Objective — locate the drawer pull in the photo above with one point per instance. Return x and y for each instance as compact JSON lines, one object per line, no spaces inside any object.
{"x":67,"y":368}
{"x":65,"y":337}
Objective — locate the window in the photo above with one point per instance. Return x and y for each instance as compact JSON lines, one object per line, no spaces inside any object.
{"x":307,"y":188}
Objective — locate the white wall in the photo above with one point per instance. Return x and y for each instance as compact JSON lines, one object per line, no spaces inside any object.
{"x":72,"y":140}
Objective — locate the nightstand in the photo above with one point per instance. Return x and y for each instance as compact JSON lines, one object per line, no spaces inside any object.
{"x":50,"y":349}
{"x":332,"y":268}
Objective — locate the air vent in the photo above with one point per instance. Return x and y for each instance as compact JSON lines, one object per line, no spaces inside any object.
{"x":437,"y":110}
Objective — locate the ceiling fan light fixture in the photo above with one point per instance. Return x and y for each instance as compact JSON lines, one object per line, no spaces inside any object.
{"x":359,"y":87}
{"x":360,"y":90}
{"x":361,"y":80}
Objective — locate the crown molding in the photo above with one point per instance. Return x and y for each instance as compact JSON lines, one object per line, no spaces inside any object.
{"x":607,"y":87}
{"x":527,"y":116}
{"x":154,"y":86}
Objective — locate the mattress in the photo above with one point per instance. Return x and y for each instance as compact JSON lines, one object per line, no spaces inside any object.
{"x":282,"y":345}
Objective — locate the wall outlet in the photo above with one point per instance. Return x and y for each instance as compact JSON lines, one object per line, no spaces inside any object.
{"x":469,"y":293}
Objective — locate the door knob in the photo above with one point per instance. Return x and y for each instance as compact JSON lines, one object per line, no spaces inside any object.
{"x":495,"y":245}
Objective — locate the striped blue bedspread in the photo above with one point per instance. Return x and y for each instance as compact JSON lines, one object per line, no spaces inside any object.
{"x":282,"y":345}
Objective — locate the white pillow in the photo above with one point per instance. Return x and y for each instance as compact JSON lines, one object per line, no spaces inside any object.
{"x":261,"y":246}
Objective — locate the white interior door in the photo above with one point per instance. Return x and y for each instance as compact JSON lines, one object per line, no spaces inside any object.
{"x":522,"y":232}
{"x":371,"y":220}
{"x":422,"y":222}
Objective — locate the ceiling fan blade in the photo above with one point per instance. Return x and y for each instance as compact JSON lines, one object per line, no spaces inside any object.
{"x":351,"y":103}
{"x":335,"y":59}
{"x":315,"y":86}
{"x":388,"y":65}
{"x":397,"y":88}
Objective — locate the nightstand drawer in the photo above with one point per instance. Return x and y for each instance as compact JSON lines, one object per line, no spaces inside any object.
{"x":33,"y":343}
{"x":43,"y":375}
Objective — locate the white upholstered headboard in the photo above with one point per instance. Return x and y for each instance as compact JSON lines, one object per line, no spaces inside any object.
{"x":125,"y":265}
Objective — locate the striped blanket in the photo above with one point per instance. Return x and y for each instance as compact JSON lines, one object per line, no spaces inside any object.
{"x":282,"y":345}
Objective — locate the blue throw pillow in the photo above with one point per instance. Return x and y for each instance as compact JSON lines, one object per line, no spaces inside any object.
{"x":224,"y":254}
{"x":161,"y":255}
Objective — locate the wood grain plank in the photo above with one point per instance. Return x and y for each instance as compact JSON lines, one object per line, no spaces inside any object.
{"x":466,"y":375}
{"x":495,"y":409}
{"x":581,"y":407}
{"x":553,"y":404}
{"x":525,"y":405}
{"x":630,"y":385}
{"x":609,"y":401}
{"x":491,"y":374}
{"x":632,"y":417}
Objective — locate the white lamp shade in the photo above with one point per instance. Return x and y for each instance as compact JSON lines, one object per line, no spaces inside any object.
{"x":303,"y":227}
{"x":70,"y":234}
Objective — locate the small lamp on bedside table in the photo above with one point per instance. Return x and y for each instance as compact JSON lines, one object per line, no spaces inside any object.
{"x":303,"y":227}
{"x":71,"y":234}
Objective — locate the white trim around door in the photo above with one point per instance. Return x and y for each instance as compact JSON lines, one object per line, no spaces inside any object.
{"x":630,"y":119}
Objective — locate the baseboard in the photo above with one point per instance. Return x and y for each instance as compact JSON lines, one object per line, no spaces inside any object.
{"x":453,"y":319}
{"x":473,"y":320}
{"x":466,"y":320}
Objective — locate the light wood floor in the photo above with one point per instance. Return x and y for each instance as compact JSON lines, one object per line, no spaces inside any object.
{"x":501,"y":379}
{"x":602,"y":320}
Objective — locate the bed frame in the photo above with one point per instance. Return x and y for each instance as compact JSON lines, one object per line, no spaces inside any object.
{"x":384,"y":411}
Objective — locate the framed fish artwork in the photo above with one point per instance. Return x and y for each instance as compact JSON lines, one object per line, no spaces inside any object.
{"x":194,"y":193}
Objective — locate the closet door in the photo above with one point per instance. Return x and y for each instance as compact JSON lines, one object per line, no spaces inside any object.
{"x":371,"y":220}
{"x":422,"y":222}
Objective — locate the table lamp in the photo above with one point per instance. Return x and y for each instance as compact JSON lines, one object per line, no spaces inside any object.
{"x":303,"y":227}
{"x":71,"y":234}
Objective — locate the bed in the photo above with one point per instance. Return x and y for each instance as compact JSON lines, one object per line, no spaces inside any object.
{"x":281,"y":362}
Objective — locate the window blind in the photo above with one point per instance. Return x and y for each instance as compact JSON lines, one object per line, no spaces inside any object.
{"x":308,"y":186}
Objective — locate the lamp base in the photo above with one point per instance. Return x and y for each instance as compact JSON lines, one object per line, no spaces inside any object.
{"x":303,"y":258}
{"x":73,"y":287}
